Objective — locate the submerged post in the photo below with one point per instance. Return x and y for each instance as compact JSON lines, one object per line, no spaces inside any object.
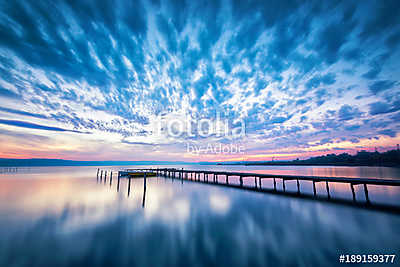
{"x":327,"y":189}
{"x":118,"y":182}
{"x":352,"y":191}
{"x":314,"y":189}
{"x":129,"y":185}
{"x":366,"y":193}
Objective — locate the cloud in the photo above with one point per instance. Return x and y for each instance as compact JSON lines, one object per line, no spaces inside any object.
{"x":347,"y":112}
{"x":318,"y":80}
{"x":29,"y":125}
{"x":381,"y":85}
{"x":8,"y":93}
{"x":24,"y":113}
{"x":388,"y":132}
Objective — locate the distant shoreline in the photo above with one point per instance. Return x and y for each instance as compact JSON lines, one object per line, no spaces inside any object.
{"x":65,"y":163}
{"x":308,"y":164}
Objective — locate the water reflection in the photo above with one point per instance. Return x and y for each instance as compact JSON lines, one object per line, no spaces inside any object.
{"x":61,"y":220}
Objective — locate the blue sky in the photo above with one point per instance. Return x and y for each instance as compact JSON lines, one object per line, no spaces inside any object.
{"x":90,"y":79}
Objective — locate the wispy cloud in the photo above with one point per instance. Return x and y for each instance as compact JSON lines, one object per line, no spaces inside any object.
{"x":30,"y":125}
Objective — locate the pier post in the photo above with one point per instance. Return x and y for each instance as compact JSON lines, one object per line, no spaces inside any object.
{"x":111,"y":178}
{"x":105,"y":177}
{"x":298,"y":186}
{"x":98,"y":172}
{"x":118,"y":182}
{"x":144,"y":182}
{"x":352,"y":191}
{"x":241,"y":180}
{"x":274,"y":184}
{"x":314,"y":189}
{"x":327,"y":190}
{"x":226,"y":178}
{"x":129,"y":185}
{"x":259,"y":182}
{"x":101,"y":175}
{"x":283,"y":183}
{"x":366,"y":193}
{"x":255,"y":181}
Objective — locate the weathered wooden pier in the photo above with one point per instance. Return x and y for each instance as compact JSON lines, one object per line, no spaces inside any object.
{"x":213,"y":177}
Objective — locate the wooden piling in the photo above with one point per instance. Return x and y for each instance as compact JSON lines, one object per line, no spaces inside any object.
{"x":352,"y":191}
{"x":314,"y":189}
{"x":129,"y":185}
{"x":327,"y":189}
{"x":366,"y":193}
{"x":118,"y":182}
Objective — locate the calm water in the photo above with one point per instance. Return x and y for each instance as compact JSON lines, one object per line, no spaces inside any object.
{"x":63,"y":217}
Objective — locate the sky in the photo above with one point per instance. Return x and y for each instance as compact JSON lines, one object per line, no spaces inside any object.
{"x":198,"y":80}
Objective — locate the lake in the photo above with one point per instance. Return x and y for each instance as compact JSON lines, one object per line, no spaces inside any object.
{"x":62,"y":216}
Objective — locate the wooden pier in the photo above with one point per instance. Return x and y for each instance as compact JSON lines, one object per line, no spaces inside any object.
{"x":211,"y":177}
